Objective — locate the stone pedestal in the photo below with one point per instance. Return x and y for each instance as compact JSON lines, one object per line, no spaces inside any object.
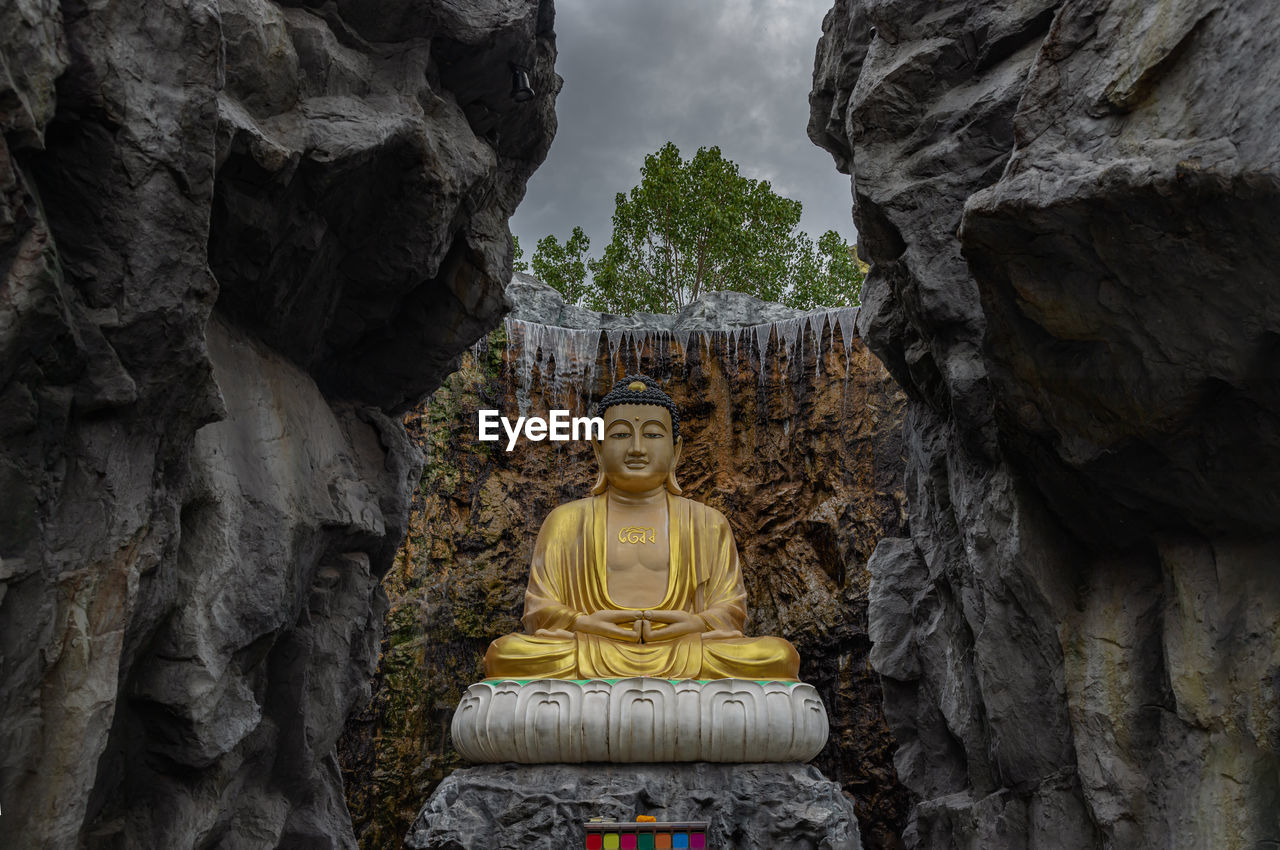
{"x":639,"y":720}
{"x":749,"y":806}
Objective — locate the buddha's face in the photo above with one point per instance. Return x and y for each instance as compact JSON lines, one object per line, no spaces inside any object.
{"x":637,"y":452}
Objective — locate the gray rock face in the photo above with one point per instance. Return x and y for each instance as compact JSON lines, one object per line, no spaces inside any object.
{"x":216,"y":219}
{"x":749,"y":806}
{"x":1067,"y":207}
{"x":366,"y":171}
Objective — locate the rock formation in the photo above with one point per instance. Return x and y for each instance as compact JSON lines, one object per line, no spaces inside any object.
{"x":809,"y":480}
{"x":237,"y":239}
{"x":748,"y":806}
{"x":1068,"y":207}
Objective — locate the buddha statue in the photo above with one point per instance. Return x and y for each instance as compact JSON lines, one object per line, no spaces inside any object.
{"x":636,"y":580}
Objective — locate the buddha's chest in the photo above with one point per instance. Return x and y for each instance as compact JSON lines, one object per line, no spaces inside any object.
{"x":637,"y":557}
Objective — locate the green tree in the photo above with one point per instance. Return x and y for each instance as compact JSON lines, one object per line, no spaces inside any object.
{"x":691,"y":227}
{"x":695,"y":226}
{"x":519,"y":263}
{"x":828,"y":274}
{"x":564,"y":266}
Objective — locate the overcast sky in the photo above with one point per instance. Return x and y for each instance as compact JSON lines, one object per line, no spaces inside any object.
{"x":639,"y":73}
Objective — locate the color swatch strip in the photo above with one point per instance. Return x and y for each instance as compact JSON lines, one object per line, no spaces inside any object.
{"x":647,"y":836}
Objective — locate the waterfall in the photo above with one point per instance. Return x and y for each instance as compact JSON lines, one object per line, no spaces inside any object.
{"x":570,"y":361}
{"x":564,"y":357}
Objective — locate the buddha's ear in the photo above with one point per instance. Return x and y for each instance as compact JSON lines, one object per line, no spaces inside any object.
{"x":671,"y":484}
{"x":602,"y":483}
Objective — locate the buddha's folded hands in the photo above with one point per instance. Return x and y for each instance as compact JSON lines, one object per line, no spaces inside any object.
{"x":650,"y":626}
{"x":668,"y":625}
{"x":619,"y":625}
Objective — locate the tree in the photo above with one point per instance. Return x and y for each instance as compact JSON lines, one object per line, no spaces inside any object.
{"x":691,"y":227}
{"x":830,"y":275}
{"x":564,"y":266}
{"x":519,"y":264}
{"x":697,"y":226}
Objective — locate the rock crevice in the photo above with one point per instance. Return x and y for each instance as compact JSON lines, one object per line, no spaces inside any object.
{"x":236,"y":239}
{"x":1066,"y":207}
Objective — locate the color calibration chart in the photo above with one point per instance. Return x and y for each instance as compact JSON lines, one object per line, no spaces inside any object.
{"x":689,"y":835}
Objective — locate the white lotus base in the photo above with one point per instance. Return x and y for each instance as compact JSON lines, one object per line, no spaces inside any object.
{"x":639,"y":720}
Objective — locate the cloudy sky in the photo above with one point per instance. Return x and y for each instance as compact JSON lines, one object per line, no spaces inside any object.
{"x":639,"y":73}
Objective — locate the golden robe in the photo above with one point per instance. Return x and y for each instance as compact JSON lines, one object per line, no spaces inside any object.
{"x":567,"y":578}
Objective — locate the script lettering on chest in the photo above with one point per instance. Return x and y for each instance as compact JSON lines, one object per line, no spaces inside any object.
{"x":637,"y":534}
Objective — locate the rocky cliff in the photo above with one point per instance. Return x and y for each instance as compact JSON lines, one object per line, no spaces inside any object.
{"x":237,"y":239}
{"x":1069,"y":210}
{"x":791,"y":429}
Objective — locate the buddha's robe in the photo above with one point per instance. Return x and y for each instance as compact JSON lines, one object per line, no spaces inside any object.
{"x":567,"y":578}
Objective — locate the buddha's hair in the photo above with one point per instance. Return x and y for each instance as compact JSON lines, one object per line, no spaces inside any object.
{"x":622,"y":393}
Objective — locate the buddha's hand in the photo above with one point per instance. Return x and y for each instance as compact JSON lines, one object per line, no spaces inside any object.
{"x":609,"y":624}
{"x":722,"y":634}
{"x":668,"y":625}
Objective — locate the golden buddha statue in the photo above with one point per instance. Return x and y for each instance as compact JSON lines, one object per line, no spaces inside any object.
{"x":636,"y":580}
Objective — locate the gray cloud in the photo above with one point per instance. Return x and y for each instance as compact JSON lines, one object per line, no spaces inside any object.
{"x":639,"y":73}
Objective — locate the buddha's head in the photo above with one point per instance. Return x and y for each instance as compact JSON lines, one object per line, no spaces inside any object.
{"x":641,"y":444}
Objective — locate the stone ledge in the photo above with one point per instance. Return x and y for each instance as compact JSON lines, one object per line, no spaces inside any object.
{"x":639,"y":720}
{"x":748,"y":806}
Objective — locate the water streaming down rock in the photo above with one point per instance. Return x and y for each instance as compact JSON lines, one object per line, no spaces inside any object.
{"x":564,"y":357}
{"x":791,"y":429}
{"x":568,"y":360}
